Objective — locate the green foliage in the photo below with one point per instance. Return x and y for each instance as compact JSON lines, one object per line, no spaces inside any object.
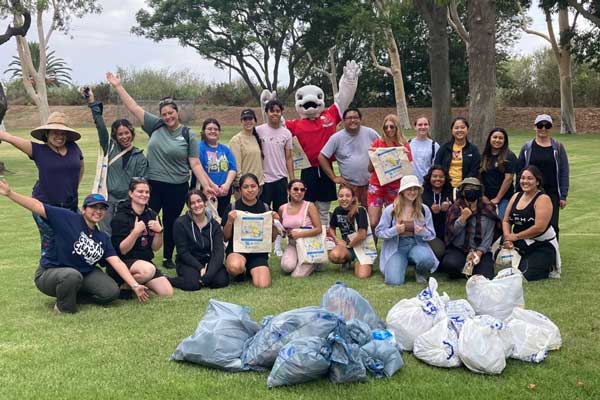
{"x":57,"y":71}
{"x":151,"y":84}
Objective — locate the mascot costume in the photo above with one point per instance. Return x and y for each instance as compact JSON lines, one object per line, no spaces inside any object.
{"x":314,"y":128}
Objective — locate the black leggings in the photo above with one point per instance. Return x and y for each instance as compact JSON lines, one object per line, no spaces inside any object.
{"x":536,"y":260}
{"x":170,"y":198}
{"x":454,"y":260}
{"x":188,"y":278}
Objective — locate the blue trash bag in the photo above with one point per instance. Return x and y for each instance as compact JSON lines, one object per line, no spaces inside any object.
{"x":346,"y":364}
{"x":219,"y":338}
{"x":301,"y":360}
{"x":381,"y":358}
{"x":261,"y":350}
{"x":348,"y":303}
{"x":357,"y":332}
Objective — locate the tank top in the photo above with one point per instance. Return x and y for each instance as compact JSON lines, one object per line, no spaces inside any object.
{"x":293,"y":221}
{"x":525,"y":218}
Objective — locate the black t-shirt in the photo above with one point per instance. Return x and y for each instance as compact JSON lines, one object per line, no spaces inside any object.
{"x":492,"y":178}
{"x":122,"y":225}
{"x":258,"y":208}
{"x":439,"y":219}
{"x":339,"y":219}
{"x":543,"y":158}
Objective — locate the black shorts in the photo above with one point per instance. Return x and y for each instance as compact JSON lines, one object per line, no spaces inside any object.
{"x":318,"y":185}
{"x":110,"y":271}
{"x":274,"y":194}
{"x":254,"y":260}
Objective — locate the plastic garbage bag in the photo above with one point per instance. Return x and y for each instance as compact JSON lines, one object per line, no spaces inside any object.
{"x":497,"y":297}
{"x":358,"y":332}
{"x":482,"y":347}
{"x":348,"y":303}
{"x":301,"y":360}
{"x":410,"y":318}
{"x":532,"y":335}
{"x":219,"y":338}
{"x":539,"y":319}
{"x":439,"y":345}
{"x":381,"y":358}
{"x":385,"y":335}
{"x":458,"y":311}
{"x":261,"y":350}
{"x":346,"y":363}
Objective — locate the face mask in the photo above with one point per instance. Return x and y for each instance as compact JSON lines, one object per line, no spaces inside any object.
{"x":471,"y":195}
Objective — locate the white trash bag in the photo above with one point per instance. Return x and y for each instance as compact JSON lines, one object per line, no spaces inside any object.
{"x":410,"y":318}
{"x":482,"y":347}
{"x":539,"y":319}
{"x":458,"y":312}
{"x":532,"y":335}
{"x":439,"y":345}
{"x":497,"y":297}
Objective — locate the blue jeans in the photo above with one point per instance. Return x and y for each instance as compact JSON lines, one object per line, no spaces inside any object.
{"x":409,"y":250}
{"x":502,"y":207}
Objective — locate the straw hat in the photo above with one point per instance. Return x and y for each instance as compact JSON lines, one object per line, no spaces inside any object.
{"x":409,"y":181}
{"x":57,"y":121}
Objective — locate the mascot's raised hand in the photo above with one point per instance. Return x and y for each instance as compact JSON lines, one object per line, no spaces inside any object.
{"x":348,"y":84}
{"x":265,"y":97}
{"x":351,"y":70}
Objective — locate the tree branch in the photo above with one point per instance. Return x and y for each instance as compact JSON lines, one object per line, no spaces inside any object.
{"x":456,"y":24}
{"x":21,"y":30}
{"x":586,"y":14}
{"x":551,"y":37}
{"x":380,"y":67}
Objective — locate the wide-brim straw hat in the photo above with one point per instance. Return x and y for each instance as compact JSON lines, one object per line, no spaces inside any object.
{"x":56,"y":121}
{"x":409,"y":181}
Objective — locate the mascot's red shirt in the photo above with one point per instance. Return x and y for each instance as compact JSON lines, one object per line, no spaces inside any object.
{"x":313,"y":134}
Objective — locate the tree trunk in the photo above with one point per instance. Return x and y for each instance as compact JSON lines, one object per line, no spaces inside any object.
{"x":481,"y":16}
{"x":439,"y":68}
{"x":396,"y":68}
{"x":567,"y":108}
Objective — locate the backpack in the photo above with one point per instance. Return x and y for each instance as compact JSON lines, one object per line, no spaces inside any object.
{"x":432,"y":150}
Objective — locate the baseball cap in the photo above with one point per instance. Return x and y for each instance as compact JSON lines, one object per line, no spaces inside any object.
{"x":248,"y":113}
{"x":543,"y":117}
{"x":93,"y":199}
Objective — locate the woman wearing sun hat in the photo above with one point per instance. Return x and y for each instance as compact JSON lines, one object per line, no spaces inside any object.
{"x":405,"y":227}
{"x":60,"y":168}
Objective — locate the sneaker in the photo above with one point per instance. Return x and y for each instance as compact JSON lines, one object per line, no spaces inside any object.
{"x":56,"y":310}
{"x":168,"y":264}
{"x":421,"y":278}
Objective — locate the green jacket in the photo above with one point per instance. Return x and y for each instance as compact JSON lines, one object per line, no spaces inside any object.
{"x":119,"y":176}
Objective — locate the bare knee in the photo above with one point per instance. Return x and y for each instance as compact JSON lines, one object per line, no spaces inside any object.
{"x":261,"y":277}
{"x":362,"y":271}
{"x":338,"y":255}
{"x":235,"y":265}
{"x":143,"y":271}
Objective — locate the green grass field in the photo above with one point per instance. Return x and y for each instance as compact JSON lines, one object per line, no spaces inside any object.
{"x":122,"y":351}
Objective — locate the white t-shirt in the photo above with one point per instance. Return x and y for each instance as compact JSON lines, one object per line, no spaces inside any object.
{"x":422,"y":157}
{"x":274,"y":142}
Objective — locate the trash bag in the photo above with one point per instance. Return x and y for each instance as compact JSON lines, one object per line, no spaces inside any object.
{"x":482,"y":347}
{"x":532,"y":335}
{"x":357,"y":332}
{"x":497,"y":297}
{"x":346,"y":364}
{"x":348,"y":303}
{"x":439,"y":345}
{"x":410,"y":318}
{"x":539,"y":319}
{"x":458,"y":311}
{"x":261,"y":350}
{"x":219,"y":338}
{"x":381,"y":358}
{"x":301,"y":360}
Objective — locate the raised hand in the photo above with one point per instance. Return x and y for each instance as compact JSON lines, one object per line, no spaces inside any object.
{"x":139,"y":226}
{"x":155,"y":226}
{"x":113,"y":79}
{"x":465,"y":214}
{"x":400,"y":228}
{"x":352,"y":70}
{"x":4,"y":188}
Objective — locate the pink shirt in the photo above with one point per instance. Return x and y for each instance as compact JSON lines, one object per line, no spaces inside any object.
{"x":294,"y":221}
{"x":274,"y":142}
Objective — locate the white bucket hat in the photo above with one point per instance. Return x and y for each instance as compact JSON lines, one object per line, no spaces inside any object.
{"x":409,"y":181}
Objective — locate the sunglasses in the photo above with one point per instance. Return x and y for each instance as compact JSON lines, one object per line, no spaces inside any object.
{"x":389,"y":127}
{"x":543,"y":125}
{"x":299,"y":189}
{"x":139,"y":179}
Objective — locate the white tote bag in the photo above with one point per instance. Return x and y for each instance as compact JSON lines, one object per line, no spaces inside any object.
{"x":252,"y":233}
{"x":390,"y":163}
{"x":99,"y":185}
{"x":299,"y":157}
{"x":366,"y":251}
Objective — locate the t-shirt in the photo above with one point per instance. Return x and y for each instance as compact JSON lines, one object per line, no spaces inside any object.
{"x":216,"y":161}
{"x":247,"y":156}
{"x":274,"y":143}
{"x":258,"y":208}
{"x":351,"y":153}
{"x":492,"y":179}
{"x":543,"y":158}
{"x":58,"y":176}
{"x":77,"y":246}
{"x":374,"y":180}
{"x":122,"y":224}
{"x":339,"y":219}
{"x":168,"y":152}
{"x":455,"y":171}
{"x":422,"y":157}
{"x":313,"y":134}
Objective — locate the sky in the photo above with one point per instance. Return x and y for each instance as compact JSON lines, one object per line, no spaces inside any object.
{"x":102,"y":42}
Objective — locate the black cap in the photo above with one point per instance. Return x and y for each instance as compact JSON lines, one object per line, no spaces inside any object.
{"x":248,"y":113}
{"x":93,"y":199}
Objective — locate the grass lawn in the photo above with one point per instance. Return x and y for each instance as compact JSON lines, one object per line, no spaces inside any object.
{"x":122,"y":351}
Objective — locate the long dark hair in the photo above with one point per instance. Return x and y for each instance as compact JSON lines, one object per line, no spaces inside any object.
{"x":188,"y":196}
{"x":207,"y":122}
{"x":353,"y":209}
{"x":447,"y":188}
{"x":119,"y":123}
{"x":486,"y":156}
{"x":454,"y":121}
{"x":255,"y":134}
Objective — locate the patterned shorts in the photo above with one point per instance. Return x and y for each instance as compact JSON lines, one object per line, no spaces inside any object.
{"x":381,"y":195}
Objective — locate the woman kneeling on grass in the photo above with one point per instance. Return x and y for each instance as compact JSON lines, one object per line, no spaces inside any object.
{"x":199,"y":243}
{"x":350,"y":218}
{"x":70,"y":272}
{"x":301,"y":219}
{"x":254,"y":265}
{"x":405,"y":227}
{"x":136,"y":235}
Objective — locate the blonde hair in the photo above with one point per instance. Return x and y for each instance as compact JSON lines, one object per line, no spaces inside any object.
{"x":400,"y":202}
{"x":353,"y":209}
{"x":399,"y":134}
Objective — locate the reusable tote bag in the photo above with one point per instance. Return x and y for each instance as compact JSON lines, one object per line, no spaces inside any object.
{"x":99,"y":186}
{"x":390,"y":163}
{"x":366,"y":251}
{"x":299,"y":157}
{"x":252,"y":233}
{"x":312,"y":250}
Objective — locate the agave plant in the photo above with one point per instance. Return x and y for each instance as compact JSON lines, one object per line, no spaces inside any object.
{"x":57,"y":70}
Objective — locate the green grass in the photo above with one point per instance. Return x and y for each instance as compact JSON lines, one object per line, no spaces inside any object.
{"x":122,"y":351}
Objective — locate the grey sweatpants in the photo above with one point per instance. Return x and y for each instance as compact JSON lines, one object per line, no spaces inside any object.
{"x":69,"y":286}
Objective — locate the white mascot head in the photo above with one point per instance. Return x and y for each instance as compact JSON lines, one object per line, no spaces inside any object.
{"x":310,"y":101}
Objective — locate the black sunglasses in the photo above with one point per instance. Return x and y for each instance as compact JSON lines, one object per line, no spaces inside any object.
{"x":299,"y":189}
{"x":542,"y":125}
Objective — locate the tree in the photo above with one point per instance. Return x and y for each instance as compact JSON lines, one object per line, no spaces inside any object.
{"x":252,"y":37}
{"x":10,"y":32}
{"x":57,"y":70}
{"x":62,"y":11}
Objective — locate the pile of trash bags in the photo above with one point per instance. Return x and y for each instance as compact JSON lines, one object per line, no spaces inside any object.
{"x":343,"y":339}
{"x":480,"y":332}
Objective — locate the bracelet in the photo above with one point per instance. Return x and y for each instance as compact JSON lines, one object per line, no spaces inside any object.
{"x":135,"y":286}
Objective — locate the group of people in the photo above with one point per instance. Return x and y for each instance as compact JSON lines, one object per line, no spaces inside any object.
{"x":447,"y":214}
